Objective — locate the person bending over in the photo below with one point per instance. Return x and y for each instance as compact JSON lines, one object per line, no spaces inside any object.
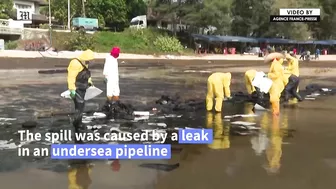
{"x":218,"y":84}
{"x":252,"y":90}
{"x":249,"y":76}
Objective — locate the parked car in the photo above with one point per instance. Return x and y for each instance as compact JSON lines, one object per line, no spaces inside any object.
{"x":253,"y":51}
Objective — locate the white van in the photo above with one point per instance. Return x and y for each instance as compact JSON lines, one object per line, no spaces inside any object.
{"x":139,"y":22}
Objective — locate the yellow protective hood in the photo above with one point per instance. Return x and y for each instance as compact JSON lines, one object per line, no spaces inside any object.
{"x":251,"y":74}
{"x":86,"y":55}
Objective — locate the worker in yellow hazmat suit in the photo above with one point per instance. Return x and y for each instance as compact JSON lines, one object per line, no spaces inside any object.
{"x":79,"y":79}
{"x":249,"y":76}
{"x":221,"y":138}
{"x":79,"y":177}
{"x":218,"y":85}
{"x":293,"y":65}
{"x":251,"y":90}
{"x":292,"y":73}
{"x":276,"y":73}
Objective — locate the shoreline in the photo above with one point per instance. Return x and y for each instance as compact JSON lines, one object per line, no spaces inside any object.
{"x":126,"y":56}
{"x":56,"y":64}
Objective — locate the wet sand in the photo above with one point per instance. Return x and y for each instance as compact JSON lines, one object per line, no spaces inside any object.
{"x":302,"y":160}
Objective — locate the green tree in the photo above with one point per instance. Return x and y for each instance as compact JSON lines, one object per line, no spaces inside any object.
{"x":6,"y":8}
{"x":59,"y":10}
{"x":298,"y":31}
{"x":217,"y":13}
{"x":114,"y":12}
{"x":135,"y":8}
{"x":108,"y":12}
{"x":184,"y":12}
{"x":328,"y":23}
{"x":251,"y":17}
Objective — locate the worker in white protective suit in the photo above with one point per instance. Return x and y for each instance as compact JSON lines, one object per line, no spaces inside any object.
{"x":111,"y":74}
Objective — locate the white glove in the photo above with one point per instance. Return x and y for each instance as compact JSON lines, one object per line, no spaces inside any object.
{"x":227,"y":98}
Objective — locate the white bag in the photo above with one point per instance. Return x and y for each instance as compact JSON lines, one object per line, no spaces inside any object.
{"x":141,"y":113}
{"x":91,"y":92}
{"x":66,"y":94}
{"x":263,"y":83}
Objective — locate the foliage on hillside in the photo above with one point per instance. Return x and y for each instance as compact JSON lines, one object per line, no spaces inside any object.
{"x":145,"y":41}
{"x":6,"y":7}
{"x":230,"y":17}
{"x":249,"y":17}
{"x":110,"y":13}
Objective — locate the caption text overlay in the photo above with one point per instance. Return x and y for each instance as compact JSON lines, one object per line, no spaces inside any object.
{"x":160,"y":150}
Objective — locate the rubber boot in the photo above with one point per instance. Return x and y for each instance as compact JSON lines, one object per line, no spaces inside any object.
{"x":286,"y":96}
{"x":78,"y":125}
{"x":115,"y":98}
{"x":296,"y":95}
{"x":107,"y":108}
{"x":112,"y":99}
{"x":286,"y":92}
{"x":113,"y":104}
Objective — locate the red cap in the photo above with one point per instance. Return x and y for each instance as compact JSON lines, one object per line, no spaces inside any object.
{"x":115,"y":52}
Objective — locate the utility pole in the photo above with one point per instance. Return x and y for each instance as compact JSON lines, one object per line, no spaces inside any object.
{"x":50,"y":30}
{"x":69,"y":16}
{"x":83,"y":4}
{"x":49,"y":15}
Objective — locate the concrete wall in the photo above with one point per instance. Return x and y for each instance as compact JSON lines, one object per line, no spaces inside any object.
{"x":28,"y":34}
